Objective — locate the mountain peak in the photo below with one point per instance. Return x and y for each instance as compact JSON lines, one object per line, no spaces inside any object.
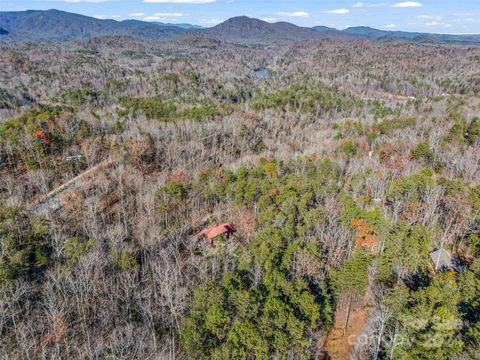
{"x":239,"y":22}
{"x":243,"y":29}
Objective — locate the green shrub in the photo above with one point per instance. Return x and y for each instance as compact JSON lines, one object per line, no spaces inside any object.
{"x":431,"y":322}
{"x":405,"y":252}
{"x":26,"y":245}
{"x":349,"y":148}
{"x":457,"y":132}
{"x":413,"y":187}
{"x":422,"y":152}
{"x":154,"y":108}
{"x":127,"y":260}
{"x":474,"y":130}
{"x":352,"y":276}
{"x":74,"y":247}
{"x":174,"y":190}
{"x":387,"y":127}
{"x":307,"y":98}
{"x":199,"y":112}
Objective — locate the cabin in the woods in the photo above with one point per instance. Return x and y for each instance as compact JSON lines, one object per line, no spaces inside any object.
{"x":210,"y":234}
{"x":443,"y":261}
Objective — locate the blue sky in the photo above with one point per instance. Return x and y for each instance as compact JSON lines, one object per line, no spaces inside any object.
{"x":443,"y":16}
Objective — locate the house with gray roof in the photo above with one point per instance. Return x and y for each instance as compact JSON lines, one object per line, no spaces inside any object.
{"x":443,"y":261}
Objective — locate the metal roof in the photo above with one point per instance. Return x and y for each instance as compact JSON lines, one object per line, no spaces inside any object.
{"x":444,"y":261}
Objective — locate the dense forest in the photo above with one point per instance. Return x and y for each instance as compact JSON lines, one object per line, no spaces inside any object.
{"x":342,"y":165}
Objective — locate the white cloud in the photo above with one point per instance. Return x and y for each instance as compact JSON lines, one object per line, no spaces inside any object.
{"x":293,"y":14}
{"x":136,"y":14}
{"x":463,"y":14}
{"x":87,"y":1}
{"x":408,"y":4}
{"x":358,"y":5}
{"x":429,"y":17}
{"x":433,"y":23}
{"x":169,"y":14}
{"x":152,"y":18}
{"x":448,"y":25}
{"x":391,"y":26}
{"x":180,"y":1}
{"x":338,"y":11}
{"x":470,"y":20}
{"x":103,"y":17}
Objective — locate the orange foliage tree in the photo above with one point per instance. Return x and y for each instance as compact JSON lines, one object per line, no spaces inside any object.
{"x":365,"y":232}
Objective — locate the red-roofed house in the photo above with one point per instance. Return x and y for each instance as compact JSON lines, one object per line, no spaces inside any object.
{"x":212,"y":233}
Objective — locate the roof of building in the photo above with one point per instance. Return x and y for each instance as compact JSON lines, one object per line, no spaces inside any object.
{"x":217,"y":231}
{"x":444,"y":261}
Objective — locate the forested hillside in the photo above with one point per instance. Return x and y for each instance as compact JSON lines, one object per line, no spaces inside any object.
{"x":341,"y":164}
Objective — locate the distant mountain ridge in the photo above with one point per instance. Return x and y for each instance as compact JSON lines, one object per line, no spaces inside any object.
{"x":243,"y":29}
{"x":185,"y":26}
{"x":61,"y":25}
{"x":64,"y":26}
{"x":375,"y":34}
